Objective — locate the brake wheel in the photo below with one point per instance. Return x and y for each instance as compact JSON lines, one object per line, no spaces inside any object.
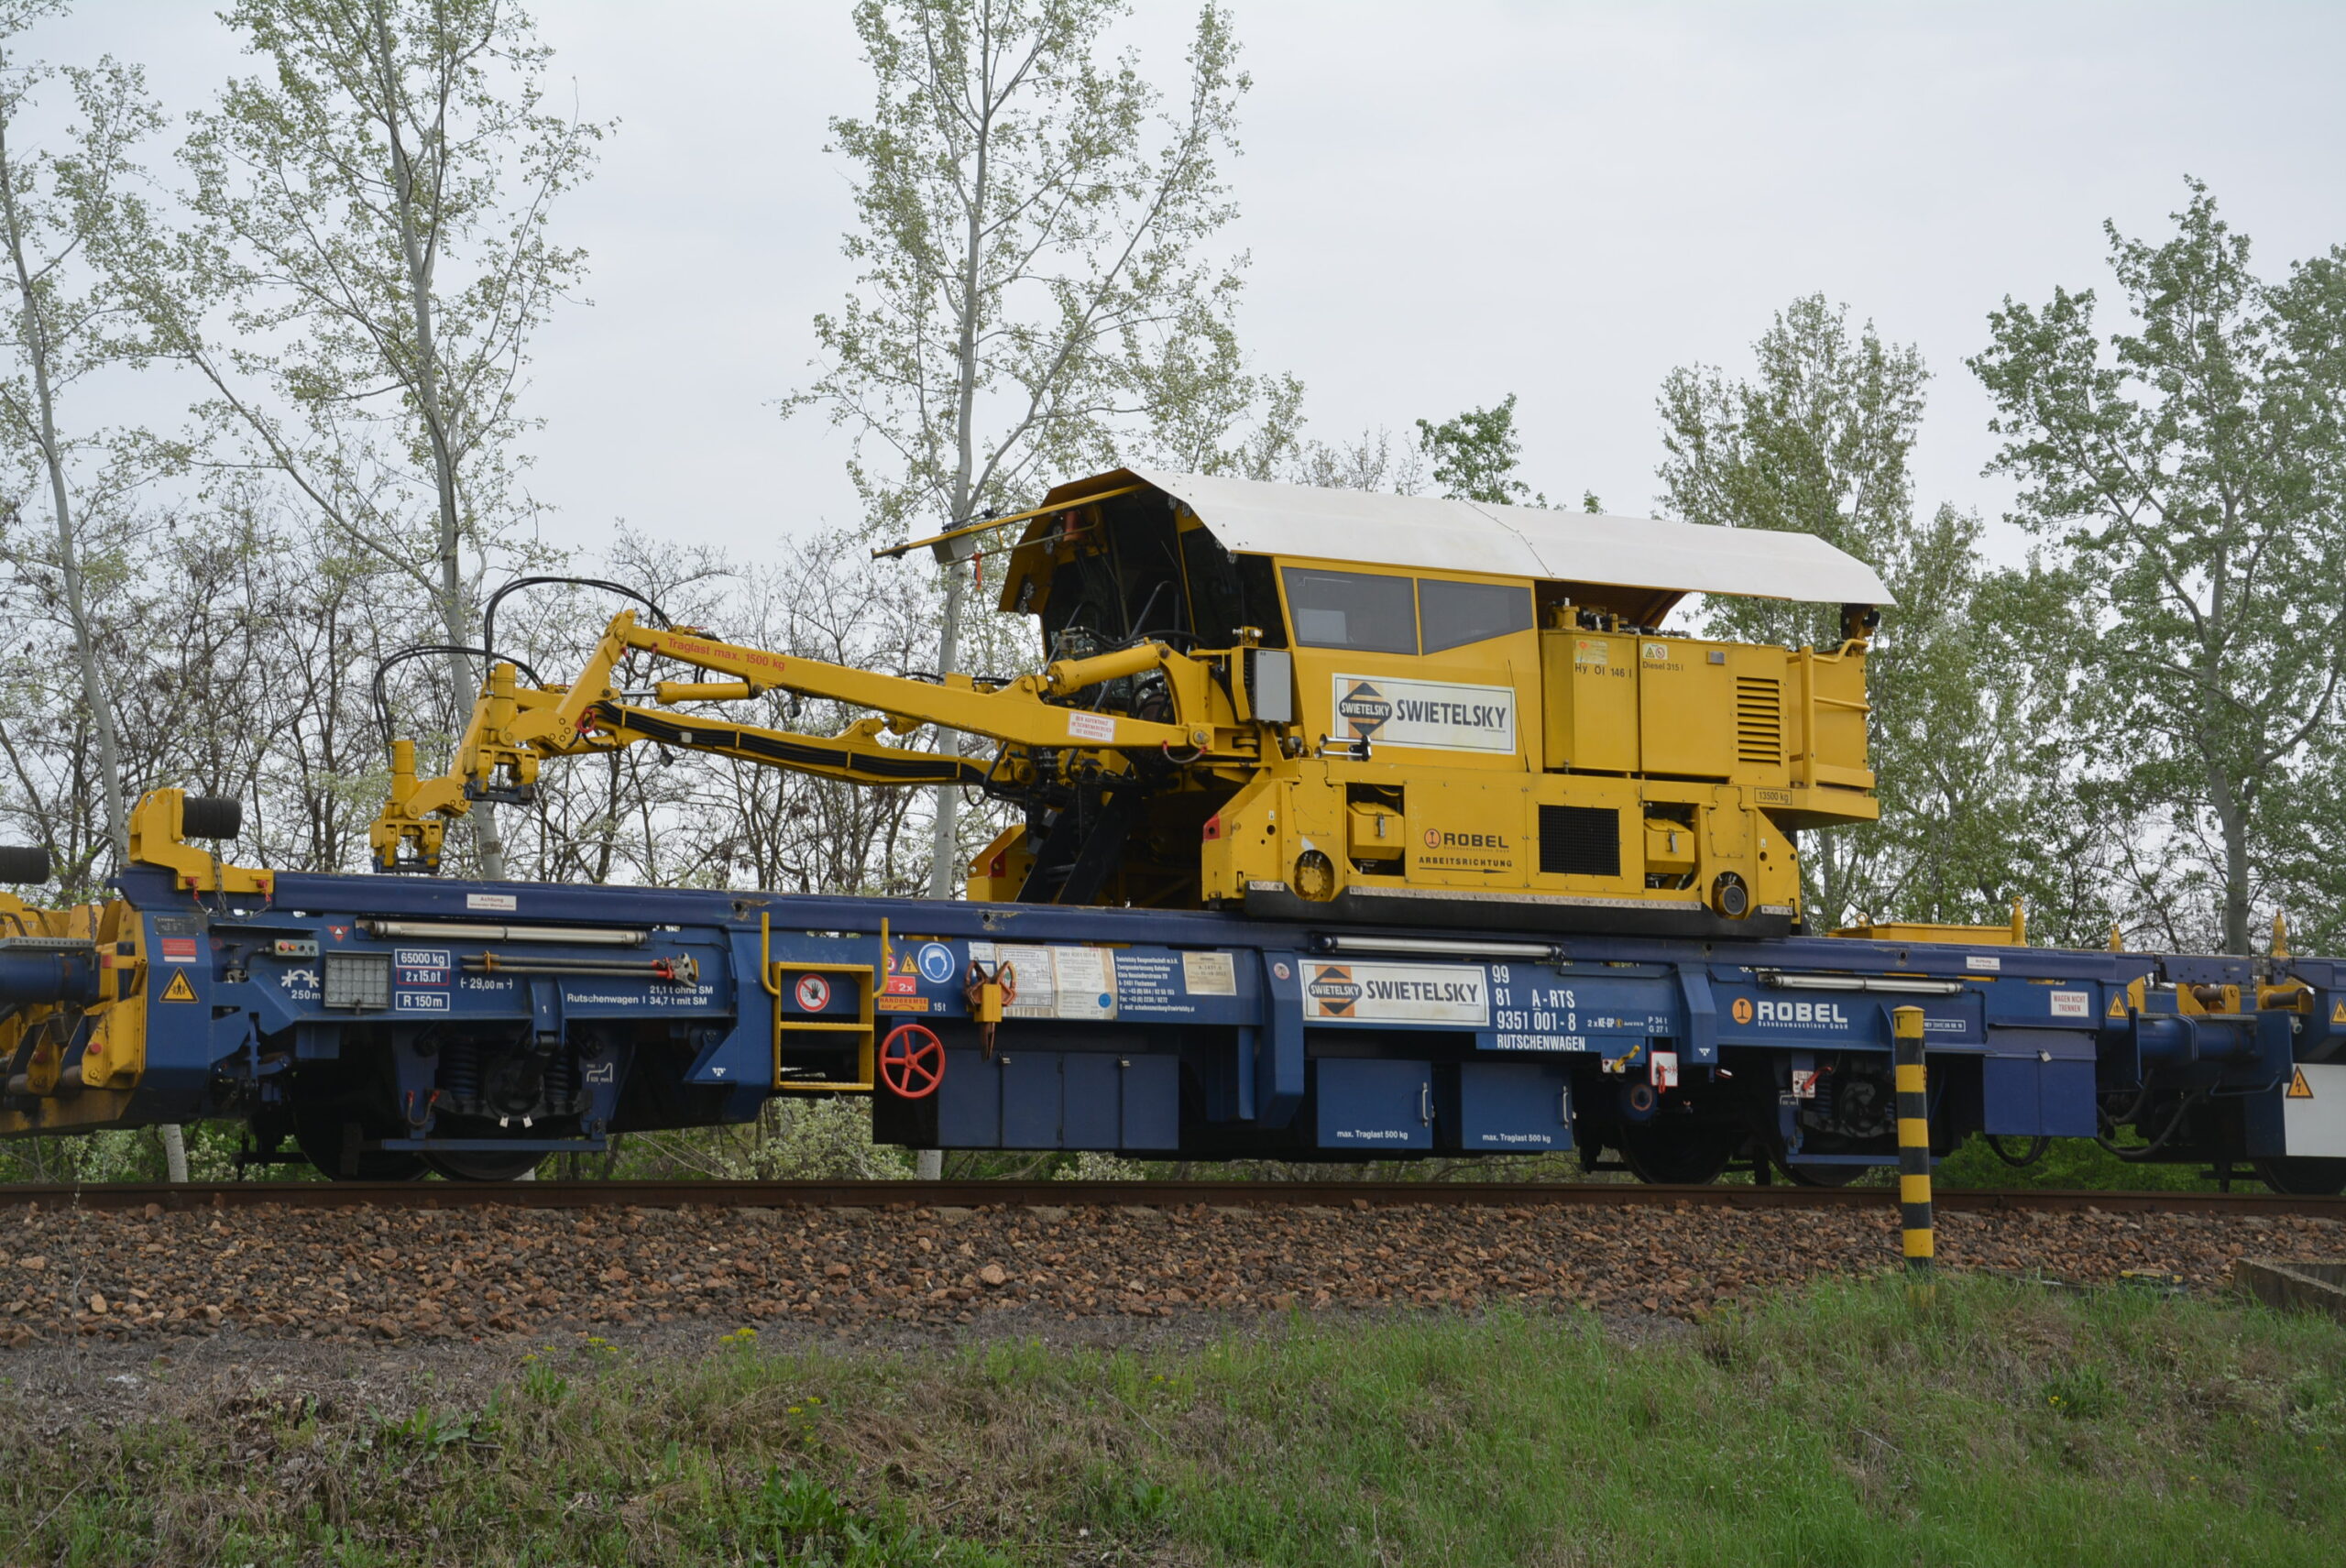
{"x":1677,"y":1156}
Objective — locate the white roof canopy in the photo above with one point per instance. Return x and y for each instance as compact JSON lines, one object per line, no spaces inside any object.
{"x":1430,"y":532}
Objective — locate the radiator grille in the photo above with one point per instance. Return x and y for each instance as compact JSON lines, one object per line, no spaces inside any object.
{"x":1758,"y":721}
{"x":1580,"y":841}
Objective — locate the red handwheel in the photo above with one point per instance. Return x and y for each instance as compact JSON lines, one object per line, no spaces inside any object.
{"x":912,"y":1061}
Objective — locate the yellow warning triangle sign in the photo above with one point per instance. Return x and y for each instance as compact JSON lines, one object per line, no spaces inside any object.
{"x":2298,"y":1088}
{"x":179,"y":990}
{"x":2338,"y":1013}
{"x":2118,"y":1004}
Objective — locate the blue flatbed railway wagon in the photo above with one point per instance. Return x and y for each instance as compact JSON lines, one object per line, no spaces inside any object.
{"x":376,"y":1026}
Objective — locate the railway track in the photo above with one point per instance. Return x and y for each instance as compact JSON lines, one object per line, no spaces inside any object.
{"x":117,"y":1196}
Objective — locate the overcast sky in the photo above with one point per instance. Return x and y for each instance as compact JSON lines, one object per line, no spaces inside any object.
{"x":1443,"y":201}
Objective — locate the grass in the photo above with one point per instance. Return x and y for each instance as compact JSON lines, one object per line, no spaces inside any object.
{"x":1833,"y":1426}
{"x":2080,"y":1165}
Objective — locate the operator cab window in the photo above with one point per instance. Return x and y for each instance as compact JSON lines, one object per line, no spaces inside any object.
{"x":1456,"y":614}
{"x":1359,"y":610}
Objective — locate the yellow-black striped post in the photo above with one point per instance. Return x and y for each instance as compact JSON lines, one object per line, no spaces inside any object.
{"x":1913,"y":1148}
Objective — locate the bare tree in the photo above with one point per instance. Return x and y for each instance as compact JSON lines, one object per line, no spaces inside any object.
{"x":371,"y":264}
{"x":56,"y":208}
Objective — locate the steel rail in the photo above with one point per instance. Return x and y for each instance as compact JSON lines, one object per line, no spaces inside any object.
{"x":903,"y":1195}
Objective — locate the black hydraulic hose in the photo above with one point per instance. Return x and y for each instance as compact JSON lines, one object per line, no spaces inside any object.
{"x":2142,"y":1098}
{"x":933,"y":678}
{"x":2036,"y":1147}
{"x":2173,"y":1127}
{"x":426,"y":649}
{"x":488,"y":637}
{"x":489,"y":611}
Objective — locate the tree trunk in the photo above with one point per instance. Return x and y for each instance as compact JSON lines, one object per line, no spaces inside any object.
{"x":944,"y":850}
{"x":69,"y":562}
{"x":944,"y":855}
{"x":2231,"y":819}
{"x":455,"y":614}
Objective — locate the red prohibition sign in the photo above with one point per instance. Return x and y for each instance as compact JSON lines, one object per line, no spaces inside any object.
{"x":814,"y":993}
{"x":912,"y":1061}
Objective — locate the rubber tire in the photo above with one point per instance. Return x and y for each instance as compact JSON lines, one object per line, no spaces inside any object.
{"x":1696,"y":1158}
{"x":482,"y":1165}
{"x":317,"y":1132}
{"x":2303,"y":1176}
{"x":212,"y":817}
{"x":22,"y":862}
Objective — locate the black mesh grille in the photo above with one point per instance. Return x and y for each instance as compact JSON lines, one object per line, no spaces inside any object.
{"x":1580,"y":841}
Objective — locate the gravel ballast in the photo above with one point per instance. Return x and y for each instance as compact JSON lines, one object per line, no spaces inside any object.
{"x":402,"y":1274}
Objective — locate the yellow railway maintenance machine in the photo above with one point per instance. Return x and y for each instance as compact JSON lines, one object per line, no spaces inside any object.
{"x":1346,"y":766}
{"x":1310,"y":703}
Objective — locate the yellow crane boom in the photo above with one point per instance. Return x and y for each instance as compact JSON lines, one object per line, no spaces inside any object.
{"x":512,"y":730}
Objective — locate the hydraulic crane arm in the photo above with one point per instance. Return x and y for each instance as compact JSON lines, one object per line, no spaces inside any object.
{"x":513,"y":729}
{"x":856,"y":756}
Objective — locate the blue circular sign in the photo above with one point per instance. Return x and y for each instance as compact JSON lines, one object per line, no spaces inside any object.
{"x":936,"y":963}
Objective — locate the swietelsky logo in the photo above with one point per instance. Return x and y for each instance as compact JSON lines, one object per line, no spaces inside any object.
{"x":1363,"y":710}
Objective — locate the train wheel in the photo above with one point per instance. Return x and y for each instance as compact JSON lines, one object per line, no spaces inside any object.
{"x":1677,"y":1156}
{"x":319,"y":1131}
{"x":1821,"y":1174}
{"x":1802,"y":1174}
{"x":483,"y":1164}
{"x":2303,"y":1178}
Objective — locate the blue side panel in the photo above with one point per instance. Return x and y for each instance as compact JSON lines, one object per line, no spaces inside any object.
{"x":969,"y":1103}
{"x":2067,"y":1090}
{"x":1370,"y":1104}
{"x":2038,"y":1081}
{"x":1152,"y":1104}
{"x":1030,"y":1099}
{"x":1092,"y":1092}
{"x":2008,"y":1095}
{"x":1513,"y":1108}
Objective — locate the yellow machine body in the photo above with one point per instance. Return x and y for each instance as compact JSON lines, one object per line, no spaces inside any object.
{"x":1548,"y":769}
{"x":1239,"y":716}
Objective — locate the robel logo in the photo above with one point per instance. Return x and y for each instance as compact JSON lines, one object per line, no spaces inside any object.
{"x":1436,"y":839}
{"x":1816,"y":1014}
